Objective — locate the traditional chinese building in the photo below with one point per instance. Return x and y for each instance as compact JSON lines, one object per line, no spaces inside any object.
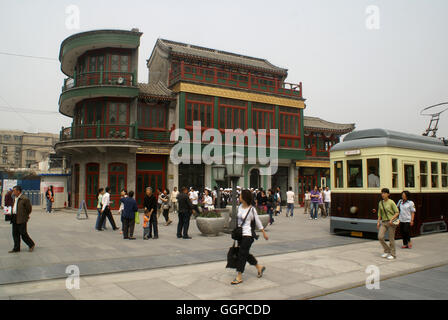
{"x":320,"y":135}
{"x":120,"y":135}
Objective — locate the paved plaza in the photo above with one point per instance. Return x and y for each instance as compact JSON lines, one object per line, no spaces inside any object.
{"x":303,"y":261}
{"x":63,"y":240}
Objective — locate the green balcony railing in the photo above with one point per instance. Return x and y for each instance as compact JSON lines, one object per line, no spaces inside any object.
{"x":100,"y":78}
{"x":99,"y":131}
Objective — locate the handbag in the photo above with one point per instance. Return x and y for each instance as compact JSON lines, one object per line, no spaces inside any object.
{"x":232,"y":257}
{"x":396,"y":222}
{"x":137,"y":217}
{"x":237,"y":233}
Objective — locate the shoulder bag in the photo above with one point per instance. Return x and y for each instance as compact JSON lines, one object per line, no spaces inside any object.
{"x":237,"y":233}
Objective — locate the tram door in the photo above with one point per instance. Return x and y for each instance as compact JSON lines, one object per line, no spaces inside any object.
{"x":306,"y":183}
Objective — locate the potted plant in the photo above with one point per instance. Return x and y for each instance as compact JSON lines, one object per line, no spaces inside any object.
{"x":264,"y":217}
{"x":210,"y":223}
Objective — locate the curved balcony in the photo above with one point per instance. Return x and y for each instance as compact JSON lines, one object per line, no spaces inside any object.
{"x":99,"y":78}
{"x":77,"y":44}
{"x":72,"y":94}
{"x":98,"y":136}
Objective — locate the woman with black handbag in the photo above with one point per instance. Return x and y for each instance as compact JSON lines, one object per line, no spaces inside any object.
{"x":245,"y":234}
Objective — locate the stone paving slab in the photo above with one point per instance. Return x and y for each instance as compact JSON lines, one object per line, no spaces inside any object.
{"x":62,"y":240}
{"x":317,"y":273}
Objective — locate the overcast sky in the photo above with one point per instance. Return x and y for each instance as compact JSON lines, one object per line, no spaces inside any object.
{"x":376,"y":76}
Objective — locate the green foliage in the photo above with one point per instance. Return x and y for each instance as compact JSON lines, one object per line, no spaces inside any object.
{"x":210,"y":214}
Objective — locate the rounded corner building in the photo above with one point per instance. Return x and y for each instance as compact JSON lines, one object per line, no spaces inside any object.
{"x":120,"y":133}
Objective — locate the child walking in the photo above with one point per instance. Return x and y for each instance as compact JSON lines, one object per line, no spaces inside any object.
{"x":146,"y":218}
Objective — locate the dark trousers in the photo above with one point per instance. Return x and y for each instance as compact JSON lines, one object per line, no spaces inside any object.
{"x":244,"y":254}
{"x":184,"y":224}
{"x":153,"y":225}
{"x":165,"y":214}
{"x":405,"y":230}
{"x":195,"y":208}
{"x":128,"y":228}
{"x":108,"y":214}
{"x":271,"y":213}
{"x":19,"y":230}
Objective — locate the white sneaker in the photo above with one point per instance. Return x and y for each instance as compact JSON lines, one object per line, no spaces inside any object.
{"x":384,"y":255}
{"x":390,"y":257}
{"x":311,"y":218}
{"x":315,"y":218}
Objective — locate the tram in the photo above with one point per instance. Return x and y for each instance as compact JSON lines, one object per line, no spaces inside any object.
{"x":369,"y":160}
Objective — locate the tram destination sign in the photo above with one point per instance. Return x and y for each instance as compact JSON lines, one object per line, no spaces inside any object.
{"x":352,"y":152}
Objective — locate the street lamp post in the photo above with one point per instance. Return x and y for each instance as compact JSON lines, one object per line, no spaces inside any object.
{"x":219,"y":172}
{"x":234,"y":165}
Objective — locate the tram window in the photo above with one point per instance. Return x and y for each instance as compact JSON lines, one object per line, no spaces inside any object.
{"x":409,"y":176}
{"x":394,"y":173}
{"x":354,"y":170}
{"x":339,"y":174}
{"x":423,"y":174}
{"x":374,"y":173}
{"x":444,"y":175}
{"x":434,"y":175}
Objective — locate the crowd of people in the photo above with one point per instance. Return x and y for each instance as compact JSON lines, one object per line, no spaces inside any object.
{"x":187,"y":201}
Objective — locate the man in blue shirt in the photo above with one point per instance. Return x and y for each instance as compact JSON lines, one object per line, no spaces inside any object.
{"x":128,"y":215}
{"x":314,"y":203}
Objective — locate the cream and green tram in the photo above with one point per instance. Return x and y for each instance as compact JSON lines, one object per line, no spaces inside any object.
{"x":369,"y":160}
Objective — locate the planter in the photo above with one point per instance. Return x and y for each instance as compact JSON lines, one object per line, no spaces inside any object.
{"x":264,"y":218}
{"x":225,"y":213}
{"x":210,"y":227}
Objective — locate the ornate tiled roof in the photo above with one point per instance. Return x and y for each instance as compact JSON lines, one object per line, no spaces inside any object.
{"x":155,"y":90}
{"x":318,"y":124}
{"x":219,"y":56}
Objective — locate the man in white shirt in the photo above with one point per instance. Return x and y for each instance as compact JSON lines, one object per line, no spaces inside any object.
{"x":105,"y":210}
{"x":290,"y":202}
{"x":194,"y":197}
{"x":373,"y":179}
{"x":327,"y":200}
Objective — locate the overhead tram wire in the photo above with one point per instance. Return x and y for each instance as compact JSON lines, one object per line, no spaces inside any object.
{"x":27,"y":56}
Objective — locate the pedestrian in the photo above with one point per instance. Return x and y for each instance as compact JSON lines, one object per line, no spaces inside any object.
{"x":185,"y":211}
{"x":406,"y":217}
{"x":19,"y":219}
{"x":123,"y":194}
{"x":105,"y":211}
{"x":278,"y":199}
{"x":150,"y":204}
{"x":194,"y":198}
{"x":49,"y":195}
{"x":208,"y":201}
{"x":307,"y":201}
{"x":9,"y":202}
{"x":159,"y":202}
{"x":387,"y":214}
{"x":99,"y":197}
{"x":166,"y":206}
{"x":268,"y":203}
{"x":215,"y":196}
{"x":315,"y":194}
{"x":290,"y":202}
{"x":173,"y":199}
{"x":146,"y":218}
{"x":323,"y":213}
{"x":128,"y":214}
{"x":247,"y":220}
{"x":327,"y":200}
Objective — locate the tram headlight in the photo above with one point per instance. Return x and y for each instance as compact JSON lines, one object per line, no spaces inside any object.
{"x":353,"y":210}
